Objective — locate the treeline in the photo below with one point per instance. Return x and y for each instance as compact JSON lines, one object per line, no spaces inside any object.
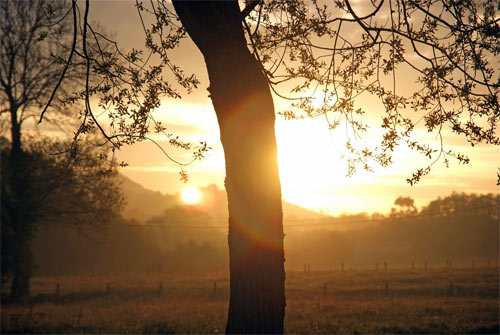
{"x":459,"y":227}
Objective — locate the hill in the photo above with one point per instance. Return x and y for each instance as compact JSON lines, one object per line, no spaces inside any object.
{"x":144,"y":204}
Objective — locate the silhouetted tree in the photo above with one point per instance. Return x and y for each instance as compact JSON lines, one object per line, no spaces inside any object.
{"x":37,"y":45}
{"x":341,"y":50}
{"x":406,"y":206}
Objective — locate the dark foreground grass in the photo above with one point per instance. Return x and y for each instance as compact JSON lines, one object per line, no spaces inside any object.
{"x":438,"y":301}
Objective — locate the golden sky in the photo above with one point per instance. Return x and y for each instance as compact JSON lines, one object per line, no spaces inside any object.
{"x":311,"y":169}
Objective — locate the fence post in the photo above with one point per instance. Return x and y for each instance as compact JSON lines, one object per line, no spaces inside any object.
{"x":325,"y":290}
{"x":214,"y":292}
{"x":451,"y":287}
{"x":160,"y":287}
{"x":385,"y":265}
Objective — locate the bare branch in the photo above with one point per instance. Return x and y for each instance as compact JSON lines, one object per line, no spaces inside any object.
{"x":68,"y":62}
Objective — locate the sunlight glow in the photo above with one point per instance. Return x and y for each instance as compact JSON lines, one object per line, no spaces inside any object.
{"x":306,"y":159}
{"x":313,"y":165}
{"x":191,"y":195}
{"x":312,"y":162}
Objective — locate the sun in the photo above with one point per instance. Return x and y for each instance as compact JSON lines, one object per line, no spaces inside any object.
{"x":191,"y":195}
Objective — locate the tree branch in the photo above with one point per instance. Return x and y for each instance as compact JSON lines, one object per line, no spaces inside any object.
{"x":73,"y":47}
{"x":250,"y":7}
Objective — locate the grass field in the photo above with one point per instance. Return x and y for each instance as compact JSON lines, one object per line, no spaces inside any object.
{"x":397,"y":301}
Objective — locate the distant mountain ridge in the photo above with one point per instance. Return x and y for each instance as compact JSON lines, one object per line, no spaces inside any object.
{"x":143,"y":204}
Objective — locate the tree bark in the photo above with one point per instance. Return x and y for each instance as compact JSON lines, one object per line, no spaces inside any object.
{"x":245,"y":112}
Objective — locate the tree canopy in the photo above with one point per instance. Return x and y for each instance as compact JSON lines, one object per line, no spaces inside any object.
{"x":417,"y":64}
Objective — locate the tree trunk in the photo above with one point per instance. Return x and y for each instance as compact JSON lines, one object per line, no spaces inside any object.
{"x":15,"y":131}
{"x":18,"y":227}
{"x":18,"y":220}
{"x":245,"y":111}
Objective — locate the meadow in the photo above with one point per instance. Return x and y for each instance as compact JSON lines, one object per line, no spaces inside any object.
{"x":453,"y":300}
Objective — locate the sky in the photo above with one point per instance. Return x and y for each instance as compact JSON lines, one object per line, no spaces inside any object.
{"x":312,"y":169}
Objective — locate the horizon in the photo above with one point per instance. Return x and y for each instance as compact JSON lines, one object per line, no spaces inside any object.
{"x":201,"y":198}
